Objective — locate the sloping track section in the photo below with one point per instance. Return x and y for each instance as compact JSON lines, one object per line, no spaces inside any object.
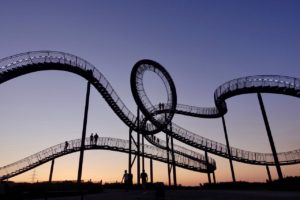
{"x":17,"y":65}
{"x":103,"y":143}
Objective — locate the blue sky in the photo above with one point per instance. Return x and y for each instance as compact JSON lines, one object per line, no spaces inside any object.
{"x":201,"y":43}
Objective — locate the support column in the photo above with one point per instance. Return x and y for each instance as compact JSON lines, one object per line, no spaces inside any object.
{"x":263,"y":111}
{"x":269,"y":174}
{"x":130,"y":161}
{"x":173,"y":161}
{"x":143,"y":157}
{"x":168,"y":159}
{"x":228,"y":149}
{"x":151,"y":170}
{"x":138,"y":148}
{"x":129,"y":153}
{"x":82,"y":147}
{"x":207,"y":163}
{"x":214,"y":177}
{"x":51,"y":171}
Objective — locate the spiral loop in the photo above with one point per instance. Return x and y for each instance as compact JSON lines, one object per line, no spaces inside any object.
{"x":159,"y":115}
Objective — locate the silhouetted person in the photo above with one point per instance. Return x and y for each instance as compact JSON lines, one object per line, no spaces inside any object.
{"x":66,"y":145}
{"x":91,"y":139}
{"x":95,"y":138}
{"x":130,"y":178}
{"x":159,"y":105}
{"x":162,"y":106}
{"x":144,"y":178}
{"x":125,"y":180}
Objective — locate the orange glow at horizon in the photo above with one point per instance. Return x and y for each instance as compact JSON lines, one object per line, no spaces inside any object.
{"x":109,"y":167}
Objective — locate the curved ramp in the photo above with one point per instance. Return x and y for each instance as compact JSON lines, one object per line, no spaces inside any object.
{"x":103,"y":143}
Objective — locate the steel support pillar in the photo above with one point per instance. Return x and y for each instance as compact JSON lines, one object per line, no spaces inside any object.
{"x":263,"y":111}
{"x":130,"y":149}
{"x":168,"y":159}
{"x":207,"y":163}
{"x":130,"y":160}
{"x":130,"y":163}
{"x":143,"y":157}
{"x":138,"y":148}
{"x":173,"y":162}
{"x":228,"y":149}
{"x":82,"y":147}
{"x":214,"y":177}
{"x":269,"y":174}
{"x":151,"y":170}
{"x":51,"y":171}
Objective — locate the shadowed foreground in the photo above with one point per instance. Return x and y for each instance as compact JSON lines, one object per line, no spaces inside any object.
{"x":278,"y":189}
{"x":188,"y":194}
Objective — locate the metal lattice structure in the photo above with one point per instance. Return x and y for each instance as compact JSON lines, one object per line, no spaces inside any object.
{"x":17,"y":65}
{"x":180,"y":150}
{"x":104,"y":143}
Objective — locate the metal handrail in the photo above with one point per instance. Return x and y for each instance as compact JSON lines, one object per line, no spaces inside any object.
{"x":250,"y":84}
{"x":113,"y":144}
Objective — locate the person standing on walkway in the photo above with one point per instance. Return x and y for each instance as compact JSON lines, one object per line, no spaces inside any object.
{"x":91,"y":139}
{"x":96,"y":138}
{"x":66,"y":145}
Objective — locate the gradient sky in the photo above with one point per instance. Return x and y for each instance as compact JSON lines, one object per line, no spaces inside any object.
{"x":201,"y":43}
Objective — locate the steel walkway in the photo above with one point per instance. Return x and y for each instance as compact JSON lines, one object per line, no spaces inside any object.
{"x":17,"y":65}
{"x":103,"y":143}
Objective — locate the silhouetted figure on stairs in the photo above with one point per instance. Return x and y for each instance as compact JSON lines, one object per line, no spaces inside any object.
{"x":66,"y":145}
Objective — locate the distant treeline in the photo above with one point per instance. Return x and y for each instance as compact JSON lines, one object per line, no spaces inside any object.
{"x":10,"y":190}
{"x":286,"y":184}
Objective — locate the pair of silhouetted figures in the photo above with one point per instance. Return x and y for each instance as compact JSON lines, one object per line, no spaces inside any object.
{"x":161,"y":106}
{"x":93,"y":139}
{"x":154,"y":138}
{"x":127,"y":179}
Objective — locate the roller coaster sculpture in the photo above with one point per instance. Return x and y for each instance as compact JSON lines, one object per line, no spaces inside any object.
{"x":155,"y":118}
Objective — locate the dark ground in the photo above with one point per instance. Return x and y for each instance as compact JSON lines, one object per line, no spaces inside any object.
{"x":117,"y":194}
{"x":288,"y":188}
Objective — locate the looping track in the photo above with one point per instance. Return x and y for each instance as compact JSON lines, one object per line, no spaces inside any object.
{"x":17,"y":65}
{"x":159,"y":119}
